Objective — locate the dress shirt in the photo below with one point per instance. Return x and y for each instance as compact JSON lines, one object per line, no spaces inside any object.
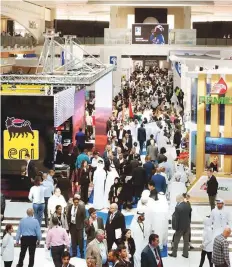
{"x":57,"y":236}
{"x":50,"y":179}
{"x":103,"y":251}
{"x":48,"y":188}
{"x":73,"y":214}
{"x":36,"y":194}
{"x":120,"y":136}
{"x":95,"y":225}
{"x":28,"y":226}
{"x":157,"y":257}
{"x":221,"y":251}
{"x":27,"y":167}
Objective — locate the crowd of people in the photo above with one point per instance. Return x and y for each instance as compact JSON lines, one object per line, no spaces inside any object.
{"x":140,"y":171}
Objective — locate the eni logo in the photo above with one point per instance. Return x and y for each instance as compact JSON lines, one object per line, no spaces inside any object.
{"x":20,"y":139}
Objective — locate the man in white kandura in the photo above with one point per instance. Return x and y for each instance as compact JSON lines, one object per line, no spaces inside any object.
{"x":141,"y":234}
{"x":220,"y":218}
{"x":99,"y":178}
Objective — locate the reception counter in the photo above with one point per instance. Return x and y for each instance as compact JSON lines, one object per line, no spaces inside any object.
{"x":199,"y":194}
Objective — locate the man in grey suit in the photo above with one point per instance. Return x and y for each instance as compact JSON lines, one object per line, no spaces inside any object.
{"x":76,"y":218}
{"x":92,"y":224}
{"x":98,"y":249}
{"x":152,"y":151}
{"x":181,"y":223}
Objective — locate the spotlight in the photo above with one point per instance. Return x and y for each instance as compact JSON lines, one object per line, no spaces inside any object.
{"x":201,"y":69}
{"x":216,"y":67}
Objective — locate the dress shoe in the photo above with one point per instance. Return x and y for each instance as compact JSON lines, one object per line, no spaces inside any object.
{"x":185,"y":256}
{"x":171,"y":255}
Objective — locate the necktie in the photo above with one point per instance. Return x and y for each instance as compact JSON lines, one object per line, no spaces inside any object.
{"x":157,"y":258}
{"x":111,"y":218}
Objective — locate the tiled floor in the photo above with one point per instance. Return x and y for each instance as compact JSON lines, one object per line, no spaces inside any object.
{"x":18,"y":210}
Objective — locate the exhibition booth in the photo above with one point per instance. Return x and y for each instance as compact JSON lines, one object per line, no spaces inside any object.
{"x":34,"y":106}
{"x":211,"y":131}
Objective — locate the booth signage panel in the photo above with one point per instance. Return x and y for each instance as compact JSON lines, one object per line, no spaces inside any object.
{"x":198,"y":192}
{"x":150,"y":33}
{"x":215,"y":100}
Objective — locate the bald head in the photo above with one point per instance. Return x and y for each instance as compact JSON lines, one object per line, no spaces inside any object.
{"x":227,"y":232}
{"x":113,"y":208}
{"x":30,"y":212}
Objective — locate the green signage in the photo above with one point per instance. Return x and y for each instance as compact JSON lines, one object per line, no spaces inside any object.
{"x":215,"y":100}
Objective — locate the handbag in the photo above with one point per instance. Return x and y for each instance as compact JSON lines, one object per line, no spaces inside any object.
{"x":174,"y":221}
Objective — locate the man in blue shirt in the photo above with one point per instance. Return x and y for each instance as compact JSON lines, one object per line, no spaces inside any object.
{"x":48,"y":192}
{"x":30,"y":233}
{"x":80,"y":139}
{"x":83,"y":156}
{"x":159,"y":181}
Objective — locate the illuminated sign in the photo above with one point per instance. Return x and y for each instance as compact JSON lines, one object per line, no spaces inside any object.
{"x":219,"y":88}
{"x":20,"y":139}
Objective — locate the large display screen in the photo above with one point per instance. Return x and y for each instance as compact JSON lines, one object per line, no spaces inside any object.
{"x":150,"y":33}
{"x":222,"y":146}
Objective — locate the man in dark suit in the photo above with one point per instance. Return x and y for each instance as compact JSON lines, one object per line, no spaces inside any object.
{"x":30,"y":168}
{"x":182,"y":220}
{"x":133,"y":155}
{"x":120,"y":134}
{"x":151,"y":256}
{"x":141,"y":137}
{"x":139,"y":180}
{"x":212,"y":187}
{"x":92,"y":224}
{"x":128,"y":141}
{"x":112,"y":162}
{"x":76,"y":218}
{"x":115,"y":221}
{"x":123,"y":257}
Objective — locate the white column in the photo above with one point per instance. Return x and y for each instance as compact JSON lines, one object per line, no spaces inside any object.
{"x":187,"y":17}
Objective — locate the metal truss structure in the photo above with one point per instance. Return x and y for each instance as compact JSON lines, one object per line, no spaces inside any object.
{"x":74,"y":70}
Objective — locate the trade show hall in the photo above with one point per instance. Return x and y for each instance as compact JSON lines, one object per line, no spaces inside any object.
{"x":116,"y":133}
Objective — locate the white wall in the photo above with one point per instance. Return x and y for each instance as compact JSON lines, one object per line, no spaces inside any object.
{"x":23,"y":12}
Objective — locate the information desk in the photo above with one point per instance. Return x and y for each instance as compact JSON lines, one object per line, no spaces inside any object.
{"x":199,"y":194}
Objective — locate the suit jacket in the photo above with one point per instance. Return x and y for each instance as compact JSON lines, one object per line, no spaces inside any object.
{"x":148,"y":258}
{"x":117,"y":222}
{"x":80,"y":216}
{"x":129,"y":143}
{"x":31,"y":170}
{"x":90,"y":230}
{"x":115,"y":162}
{"x":212,"y":186}
{"x":141,"y":134}
{"x":149,"y":142}
{"x":139,"y":176}
{"x":94,"y":251}
{"x":183,"y":216}
{"x":123,"y":133}
{"x":152,"y":151}
{"x":160,"y":182}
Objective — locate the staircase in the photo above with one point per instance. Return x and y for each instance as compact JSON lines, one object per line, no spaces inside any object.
{"x":196,"y":234}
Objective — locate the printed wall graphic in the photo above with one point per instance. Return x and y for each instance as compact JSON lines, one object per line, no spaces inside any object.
{"x":150,"y":34}
{"x":79,"y":112}
{"x":27,"y":126}
{"x":20,"y":139}
{"x":114,"y":61}
{"x":219,"y":88}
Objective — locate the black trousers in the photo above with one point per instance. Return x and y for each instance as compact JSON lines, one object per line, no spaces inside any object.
{"x":8,"y":263}
{"x":57,"y":252}
{"x":209,"y":256}
{"x":46,"y":211}
{"x":27,"y":242}
{"x":84,"y":193}
{"x":77,"y":239}
{"x":141,"y":143}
